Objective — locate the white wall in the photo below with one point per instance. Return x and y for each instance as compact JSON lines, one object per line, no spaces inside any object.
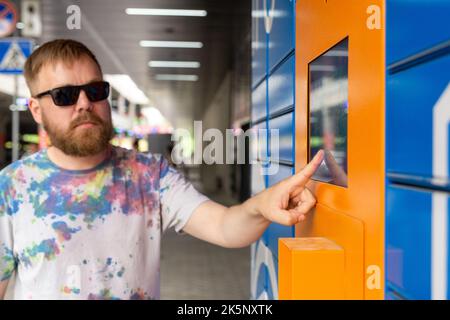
{"x":217,"y":115}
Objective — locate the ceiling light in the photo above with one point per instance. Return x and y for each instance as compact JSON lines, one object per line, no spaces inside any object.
{"x":174,"y":64}
{"x":127,"y":88}
{"x":176,"y":77}
{"x":171,"y":44}
{"x":166,"y":12}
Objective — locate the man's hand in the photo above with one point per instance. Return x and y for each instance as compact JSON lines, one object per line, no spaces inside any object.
{"x":288,"y":201}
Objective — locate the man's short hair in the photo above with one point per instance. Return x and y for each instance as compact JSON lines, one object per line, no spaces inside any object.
{"x":60,"y":50}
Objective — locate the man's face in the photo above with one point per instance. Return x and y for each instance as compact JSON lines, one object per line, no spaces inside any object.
{"x":83,"y":129}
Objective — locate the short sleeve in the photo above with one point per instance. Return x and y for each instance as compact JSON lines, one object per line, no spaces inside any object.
{"x":178,"y":197}
{"x":7,"y":258}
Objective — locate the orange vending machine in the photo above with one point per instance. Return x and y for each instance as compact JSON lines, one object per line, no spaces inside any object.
{"x":338,"y":253}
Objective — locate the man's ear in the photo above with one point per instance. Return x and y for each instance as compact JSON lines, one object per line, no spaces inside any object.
{"x":36,"y":110}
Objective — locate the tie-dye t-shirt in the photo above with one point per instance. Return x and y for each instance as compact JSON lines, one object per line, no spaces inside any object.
{"x":90,"y":234}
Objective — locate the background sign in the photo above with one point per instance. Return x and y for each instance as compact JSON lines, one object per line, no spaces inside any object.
{"x":8,"y":18}
{"x":13,"y":54}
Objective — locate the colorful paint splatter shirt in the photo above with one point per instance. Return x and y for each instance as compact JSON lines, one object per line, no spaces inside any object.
{"x":90,"y":234}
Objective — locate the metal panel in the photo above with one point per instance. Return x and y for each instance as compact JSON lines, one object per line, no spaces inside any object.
{"x":281,"y":86}
{"x":280,"y":21}
{"x":259,"y":42}
{"x":259,"y":101}
{"x":262,"y":141}
{"x":408,"y":242}
{"x":413,"y":26}
{"x":412,"y":97}
{"x":285,"y":146}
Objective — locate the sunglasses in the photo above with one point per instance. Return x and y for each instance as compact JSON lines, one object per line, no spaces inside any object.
{"x":68,"y":95}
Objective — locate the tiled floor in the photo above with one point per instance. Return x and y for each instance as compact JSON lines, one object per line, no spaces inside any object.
{"x":194,"y":269}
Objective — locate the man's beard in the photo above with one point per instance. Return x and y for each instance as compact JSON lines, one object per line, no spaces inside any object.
{"x":81,"y":142}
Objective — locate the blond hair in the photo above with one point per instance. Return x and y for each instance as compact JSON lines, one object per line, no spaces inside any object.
{"x":65,"y":50}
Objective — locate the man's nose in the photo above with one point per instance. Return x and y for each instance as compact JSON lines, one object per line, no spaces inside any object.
{"x":83,"y":102}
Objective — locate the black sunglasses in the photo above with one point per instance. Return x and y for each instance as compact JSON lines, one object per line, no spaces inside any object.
{"x":68,"y":95}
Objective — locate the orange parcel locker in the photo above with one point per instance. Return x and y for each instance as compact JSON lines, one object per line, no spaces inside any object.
{"x":339,"y":108}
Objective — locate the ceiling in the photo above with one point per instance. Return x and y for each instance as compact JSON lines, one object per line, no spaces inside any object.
{"x":114,"y":37}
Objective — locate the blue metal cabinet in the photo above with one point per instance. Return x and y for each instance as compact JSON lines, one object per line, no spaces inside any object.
{"x":281,"y":86}
{"x":411,"y":97}
{"x":259,"y":101}
{"x":259,"y":42}
{"x":285,"y":125}
{"x":280,"y":17}
{"x":413,"y":26}
{"x":409,"y":225}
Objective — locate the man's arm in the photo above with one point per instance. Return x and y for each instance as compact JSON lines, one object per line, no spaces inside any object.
{"x":286,"y":203}
{"x":3,"y":286}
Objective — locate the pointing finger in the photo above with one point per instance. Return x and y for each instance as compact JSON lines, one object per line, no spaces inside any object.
{"x":307,"y":172}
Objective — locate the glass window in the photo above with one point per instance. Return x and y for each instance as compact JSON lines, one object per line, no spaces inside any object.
{"x":328,"y":111}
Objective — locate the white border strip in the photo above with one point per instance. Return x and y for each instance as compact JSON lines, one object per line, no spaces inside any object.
{"x":439,"y":241}
{"x":439,"y":250}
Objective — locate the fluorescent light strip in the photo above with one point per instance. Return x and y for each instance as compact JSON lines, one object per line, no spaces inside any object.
{"x":171,"y":44}
{"x":176,"y":77}
{"x":127,"y":88}
{"x":174,"y":64}
{"x":166,"y":12}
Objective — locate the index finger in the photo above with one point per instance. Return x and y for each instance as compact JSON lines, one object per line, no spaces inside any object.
{"x":307,"y":172}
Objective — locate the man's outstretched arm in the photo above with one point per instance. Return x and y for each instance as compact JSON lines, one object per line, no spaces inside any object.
{"x":286,"y":203}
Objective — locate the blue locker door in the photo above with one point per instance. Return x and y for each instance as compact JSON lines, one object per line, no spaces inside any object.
{"x":281,"y":87}
{"x":417,"y":243}
{"x":280,"y":25}
{"x":259,"y":42}
{"x":413,"y":98}
{"x":414,"y":26}
{"x":259,"y":101}
{"x":283,"y":149}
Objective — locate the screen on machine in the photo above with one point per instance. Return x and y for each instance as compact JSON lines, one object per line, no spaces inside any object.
{"x":328,"y":110}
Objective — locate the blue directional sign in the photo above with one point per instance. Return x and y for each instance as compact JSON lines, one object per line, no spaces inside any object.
{"x":13,"y":54}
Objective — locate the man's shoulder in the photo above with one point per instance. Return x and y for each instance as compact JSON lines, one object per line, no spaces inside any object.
{"x":11,"y":170}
